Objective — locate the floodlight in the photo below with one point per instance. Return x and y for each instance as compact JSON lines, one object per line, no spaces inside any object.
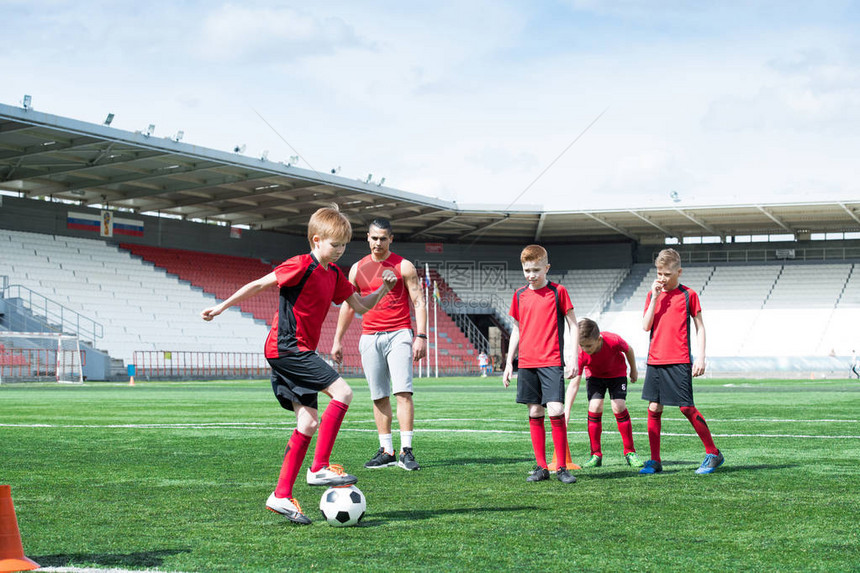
{"x":265,"y":155}
{"x":179,"y":135}
{"x":369,"y":177}
{"x":150,"y":130}
{"x":381,"y":181}
{"x":109,"y":119}
{"x":27,"y":102}
{"x":335,"y":170}
{"x":294,"y":158}
{"x":239,"y":149}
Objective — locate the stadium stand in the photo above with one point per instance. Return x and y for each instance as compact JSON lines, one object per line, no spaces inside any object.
{"x":140,"y":306}
{"x":148,"y":299}
{"x":221,"y":275}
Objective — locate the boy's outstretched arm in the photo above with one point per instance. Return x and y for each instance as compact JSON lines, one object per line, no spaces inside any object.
{"x":570,"y":396}
{"x":699,"y":363}
{"x":512,"y":350}
{"x":344,"y":319}
{"x":251,"y":289}
{"x":362,"y":304}
{"x":631,"y":360}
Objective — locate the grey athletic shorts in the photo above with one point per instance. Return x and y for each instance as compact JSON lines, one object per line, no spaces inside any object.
{"x":387,"y":361}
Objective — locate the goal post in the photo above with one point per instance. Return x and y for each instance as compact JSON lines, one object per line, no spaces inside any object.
{"x":40,"y":357}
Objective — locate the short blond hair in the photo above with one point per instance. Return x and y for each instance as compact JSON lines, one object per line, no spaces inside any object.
{"x":668,"y":258}
{"x":329,"y":223}
{"x":534,"y":254}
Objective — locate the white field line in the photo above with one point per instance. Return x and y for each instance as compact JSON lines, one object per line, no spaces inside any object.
{"x":261,"y":426}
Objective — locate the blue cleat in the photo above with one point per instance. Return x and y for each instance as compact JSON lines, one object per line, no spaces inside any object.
{"x":651,"y":467}
{"x":711,"y":463}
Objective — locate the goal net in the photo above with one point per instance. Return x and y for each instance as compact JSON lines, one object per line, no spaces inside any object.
{"x":40,"y":357}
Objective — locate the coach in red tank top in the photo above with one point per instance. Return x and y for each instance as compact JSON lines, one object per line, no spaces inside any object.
{"x":387,"y":346}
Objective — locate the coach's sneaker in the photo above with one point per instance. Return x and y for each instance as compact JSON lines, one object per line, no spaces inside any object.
{"x":407,"y":460}
{"x":633,"y":460}
{"x":538,"y":474}
{"x":288,"y":507}
{"x":330,"y":476}
{"x":652,"y":467}
{"x":564,"y":476}
{"x":382,"y":459}
{"x":711,"y":463}
{"x":594,"y":461}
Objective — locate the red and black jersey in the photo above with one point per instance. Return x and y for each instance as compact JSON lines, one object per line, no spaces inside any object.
{"x":670,"y":330}
{"x":541,"y":315}
{"x":307,"y":290}
{"x":392,"y":312}
{"x":608,"y":362}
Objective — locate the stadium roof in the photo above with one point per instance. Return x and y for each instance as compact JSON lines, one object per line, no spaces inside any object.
{"x":47,"y":155}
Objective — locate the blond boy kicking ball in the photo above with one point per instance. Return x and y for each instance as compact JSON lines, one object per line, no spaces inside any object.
{"x":308,"y":285}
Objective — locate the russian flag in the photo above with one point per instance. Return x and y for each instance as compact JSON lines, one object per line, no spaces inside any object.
{"x":83,"y":221}
{"x":128,"y":227}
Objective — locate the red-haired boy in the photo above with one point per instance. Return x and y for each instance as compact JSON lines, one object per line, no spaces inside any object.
{"x":543,"y":312}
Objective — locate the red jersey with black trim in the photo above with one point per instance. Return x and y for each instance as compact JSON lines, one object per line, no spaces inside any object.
{"x":540,"y":314}
{"x":608,"y":362}
{"x":307,"y":290}
{"x":670,"y":331}
{"x":392,"y":312}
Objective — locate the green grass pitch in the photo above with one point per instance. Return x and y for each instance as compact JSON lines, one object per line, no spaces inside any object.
{"x":175,"y":476}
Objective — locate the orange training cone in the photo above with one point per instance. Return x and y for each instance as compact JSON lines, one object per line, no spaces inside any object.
{"x":11,"y":551}
{"x":568,"y":464}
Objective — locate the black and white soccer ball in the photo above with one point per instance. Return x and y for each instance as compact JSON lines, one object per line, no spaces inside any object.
{"x":343,"y":506}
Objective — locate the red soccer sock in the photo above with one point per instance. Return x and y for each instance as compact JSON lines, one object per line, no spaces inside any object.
{"x":297,"y":447}
{"x":559,"y":439}
{"x":654,"y":424}
{"x":538,"y":433}
{"x":595,"y":428}
{"x":625,"y":427}
{"x":329,"y":427}
{"x":692,"y":413}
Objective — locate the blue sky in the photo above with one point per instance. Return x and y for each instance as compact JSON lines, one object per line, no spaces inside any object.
{"x":724,"y":102}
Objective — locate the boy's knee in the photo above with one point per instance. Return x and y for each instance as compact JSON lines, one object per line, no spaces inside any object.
{"x":688,"y":411}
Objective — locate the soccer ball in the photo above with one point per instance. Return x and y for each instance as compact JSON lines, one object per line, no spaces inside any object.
{"x":343,"y":506}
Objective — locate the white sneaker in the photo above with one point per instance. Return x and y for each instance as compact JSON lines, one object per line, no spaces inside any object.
{"x":288,"y":507}
{"x":331,"y":475}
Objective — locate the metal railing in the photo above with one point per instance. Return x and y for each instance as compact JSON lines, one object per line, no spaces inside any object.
{"x":774,"y":254}
{"x":51,"y":315}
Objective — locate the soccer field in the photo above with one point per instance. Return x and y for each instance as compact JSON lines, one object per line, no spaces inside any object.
{"x":174,"y":477}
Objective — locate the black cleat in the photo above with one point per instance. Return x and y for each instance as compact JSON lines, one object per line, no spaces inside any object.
{"x":564,"y":476}
{"x":407,"y":460}
{"x":382,"y":459}
{"x":538,"y":474}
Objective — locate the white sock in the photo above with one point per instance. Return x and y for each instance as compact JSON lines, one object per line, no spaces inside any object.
{"x":405,"y":439}
{"x":386,"y":443}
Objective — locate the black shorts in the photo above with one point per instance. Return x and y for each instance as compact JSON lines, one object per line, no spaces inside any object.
{"x":595,"y":388}
{"x":669,"y":384}
{"x":300,"y":377}
{"x":540,"y":385}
